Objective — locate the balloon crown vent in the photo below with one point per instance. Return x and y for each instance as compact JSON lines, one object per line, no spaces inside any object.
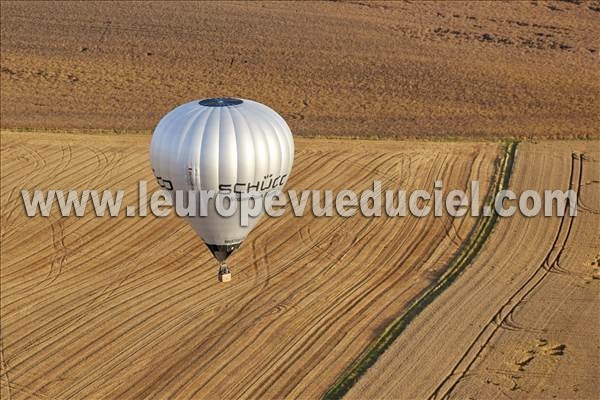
{"x":220,"y":102}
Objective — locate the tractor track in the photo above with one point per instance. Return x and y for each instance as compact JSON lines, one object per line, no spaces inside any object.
{"x":460,"y":261}
{"x":141,"y":292}
{"x":503,"y":317}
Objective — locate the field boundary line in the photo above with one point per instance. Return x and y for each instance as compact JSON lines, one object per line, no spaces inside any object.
{"x":372,"y":137}
{"x":464,"y":257}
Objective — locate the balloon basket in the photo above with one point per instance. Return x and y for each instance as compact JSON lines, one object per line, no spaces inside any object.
{"x":224,"y":277}
{"x":224,"y":274}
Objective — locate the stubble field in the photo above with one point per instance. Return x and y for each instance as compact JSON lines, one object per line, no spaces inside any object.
{"x":130,"y":307}
{"x":522,"y":321}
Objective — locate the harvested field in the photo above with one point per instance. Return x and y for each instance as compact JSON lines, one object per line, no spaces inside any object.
{"x":399,"y":69}
{"x":130,"y":307}
{"x":522,"y":321}
{"x":386,"y":308}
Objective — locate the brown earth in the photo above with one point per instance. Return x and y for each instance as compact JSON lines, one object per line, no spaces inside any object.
{"x":401,"y":69}
{"x":131,"y":307}
{"x":522,"y":321}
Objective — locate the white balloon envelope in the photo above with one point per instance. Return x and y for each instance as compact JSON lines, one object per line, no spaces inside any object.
{"x":230,"y":146}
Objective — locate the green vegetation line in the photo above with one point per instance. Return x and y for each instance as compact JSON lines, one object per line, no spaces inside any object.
{"x":469,"y":250}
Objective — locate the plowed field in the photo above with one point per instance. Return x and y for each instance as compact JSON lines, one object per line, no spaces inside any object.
{"x":522,"y":321}
{"x":366,"y":69}
{"x":130,"y":307}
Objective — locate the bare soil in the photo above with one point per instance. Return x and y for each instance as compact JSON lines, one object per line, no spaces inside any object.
{"x":367,"y":69}
{"x":131,"y":307}
{"x":522,"y":321}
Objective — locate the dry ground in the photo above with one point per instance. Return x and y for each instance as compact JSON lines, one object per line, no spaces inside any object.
{"x":522,"y":321}
{"x":130,"y":307}
{"x":401,"y":69}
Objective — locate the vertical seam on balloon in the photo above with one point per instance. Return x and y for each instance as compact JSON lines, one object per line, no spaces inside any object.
{"x":184,"y":137}
{"x":237,"y":123}
{"x":235,"y":140}
{"x":194,"y":153}
{"x":253,"y":107}
{"x":266,"y":119}
{"x":235,"y":143}
{"x":202,"y":145}
{"x":218,"y":163}
{"x":287,"y":134}
{"x":279,"y":144}
{"x":252,"y":138}
{"x":159,"y":145}
{"x":280,"y":140}
{"x":161,"y":162}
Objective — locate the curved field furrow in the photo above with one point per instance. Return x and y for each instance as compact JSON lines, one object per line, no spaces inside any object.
{"x":130,"y":307}
{"x":549,"y":355}
{"x":505,"y":312}
{"x":512,"y":325}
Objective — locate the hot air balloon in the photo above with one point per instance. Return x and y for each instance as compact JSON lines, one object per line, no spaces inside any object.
{"x":226,"y":145}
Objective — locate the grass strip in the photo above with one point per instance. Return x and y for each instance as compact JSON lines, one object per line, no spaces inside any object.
{"x":469,"y":250}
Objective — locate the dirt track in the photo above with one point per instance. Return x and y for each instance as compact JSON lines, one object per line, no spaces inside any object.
{"x":420,"y":69}
{"x":129,"y":307}
{"x":522,"y":321}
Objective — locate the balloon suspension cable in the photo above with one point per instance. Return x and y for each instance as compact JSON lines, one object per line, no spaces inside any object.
{"x":223,"y":266}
